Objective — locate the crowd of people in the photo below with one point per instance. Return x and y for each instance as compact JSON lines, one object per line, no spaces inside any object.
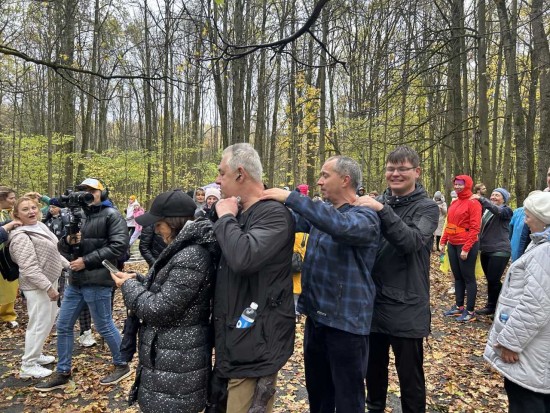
{"x":355,"y":264}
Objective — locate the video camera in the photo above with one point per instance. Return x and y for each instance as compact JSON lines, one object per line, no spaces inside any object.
{"x":72,"y":199}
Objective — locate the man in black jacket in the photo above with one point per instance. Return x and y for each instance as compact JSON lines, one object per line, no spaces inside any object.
{"x":401,"y":273}
{"x":103,"y":235}
{"x":256,"y":238}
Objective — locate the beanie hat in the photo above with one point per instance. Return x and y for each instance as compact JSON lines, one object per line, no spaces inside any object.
{"x":303,"y":188}
{"x":437,"y":195}
{"x":538,"y":204}
{"x":55,"y":202}
{"x":212,"y":191}
{"x":174,"y":203}
{"x":453,"y":194}
{"x":505,"y":194}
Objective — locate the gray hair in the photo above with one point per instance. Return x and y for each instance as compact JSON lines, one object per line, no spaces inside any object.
{"x":347,"y":166}
{"x":245,"y":156}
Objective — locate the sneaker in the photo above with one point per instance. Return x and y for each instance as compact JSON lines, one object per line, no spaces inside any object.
{"x":451,"y":291}
{"x":57,"y":381}
{"x":86,"y":339}
{"x":467,"y":316}
{"x":44,"y":360}
{"x":486,"y":311}
{"x":34,"y":371}
{"x":12,"y":324}
{"x":120,"y":372}
{"x":454,"y":311}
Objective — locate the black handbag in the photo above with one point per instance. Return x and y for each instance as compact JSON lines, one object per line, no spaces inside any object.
{"x":8,"y":268}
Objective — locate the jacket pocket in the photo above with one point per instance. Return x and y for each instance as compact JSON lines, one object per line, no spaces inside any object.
{"x":401,"y":296}
{"x":246,"y":345}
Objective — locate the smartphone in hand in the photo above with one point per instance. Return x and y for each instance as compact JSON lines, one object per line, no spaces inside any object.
{"x":110,"y":266}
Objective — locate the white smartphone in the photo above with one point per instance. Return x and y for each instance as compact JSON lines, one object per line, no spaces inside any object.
{"x":110,"y":266}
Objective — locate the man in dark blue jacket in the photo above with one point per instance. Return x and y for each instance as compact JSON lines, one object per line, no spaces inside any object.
{"x":337,"y":288}
{"x":401,"y":273}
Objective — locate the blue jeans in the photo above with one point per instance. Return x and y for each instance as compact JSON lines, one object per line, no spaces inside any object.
{"x":98,"y":299}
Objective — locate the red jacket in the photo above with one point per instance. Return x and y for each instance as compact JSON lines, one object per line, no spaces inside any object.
{"x":464,"y":218}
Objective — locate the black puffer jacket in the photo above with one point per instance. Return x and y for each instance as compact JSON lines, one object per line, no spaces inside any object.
{"x":150,"y":245}
{"x":175,"y":338}
{"x":104,"y":236}
{"x":401,"y":271}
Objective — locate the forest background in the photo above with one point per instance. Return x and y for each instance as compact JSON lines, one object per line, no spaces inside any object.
{"x":145,"y":94}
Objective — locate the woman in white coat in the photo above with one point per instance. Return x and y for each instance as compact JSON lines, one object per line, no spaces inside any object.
{"x":34,"y":248}
{"x":519,"y":339}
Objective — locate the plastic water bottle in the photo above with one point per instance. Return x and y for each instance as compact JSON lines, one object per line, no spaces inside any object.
{"x":503,"y":317}
{"x":248,"y":316}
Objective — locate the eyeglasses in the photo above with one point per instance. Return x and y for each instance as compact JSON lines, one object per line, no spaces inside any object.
{"x":401,"y":169}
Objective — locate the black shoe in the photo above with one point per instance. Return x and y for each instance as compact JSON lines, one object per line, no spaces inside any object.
{"x":486,"y":311}
{"x":119,"y":373}
{"x":56,"y":381}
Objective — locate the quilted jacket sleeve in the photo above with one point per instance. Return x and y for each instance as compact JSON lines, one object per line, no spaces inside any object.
{"x":532,"y":311}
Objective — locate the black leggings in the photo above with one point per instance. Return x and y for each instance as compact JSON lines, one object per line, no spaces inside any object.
{"x":493,"y":267}
{"x":464,"y":272}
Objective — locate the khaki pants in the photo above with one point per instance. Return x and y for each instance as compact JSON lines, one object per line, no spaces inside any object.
{"x":240,"y":393}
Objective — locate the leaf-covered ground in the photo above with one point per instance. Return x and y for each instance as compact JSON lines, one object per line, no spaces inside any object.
{"x":458,"y":380}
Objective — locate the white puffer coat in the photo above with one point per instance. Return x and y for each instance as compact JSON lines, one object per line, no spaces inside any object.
{"x":525,"y":298}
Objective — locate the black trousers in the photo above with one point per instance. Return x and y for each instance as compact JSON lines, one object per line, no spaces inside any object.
{"x":335,"y":366}
{"x":522,"y":400}
{"x":464,"y":272}
{"x":493,"y":267}
{"x":409,"y":357}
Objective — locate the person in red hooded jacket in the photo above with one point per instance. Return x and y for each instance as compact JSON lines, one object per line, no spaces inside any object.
{"x":461,"y":234}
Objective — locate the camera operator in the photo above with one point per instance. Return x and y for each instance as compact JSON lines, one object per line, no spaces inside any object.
{"x":103,"y":235}
{"x":58,"y":220}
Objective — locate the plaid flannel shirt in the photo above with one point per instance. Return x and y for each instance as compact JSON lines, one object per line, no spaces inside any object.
{"x":337,"y":288}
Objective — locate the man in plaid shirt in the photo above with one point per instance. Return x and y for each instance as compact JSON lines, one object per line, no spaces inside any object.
{"x":337,"y":288}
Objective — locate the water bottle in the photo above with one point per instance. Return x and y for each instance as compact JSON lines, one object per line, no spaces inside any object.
{"x":248,"y":316}
{"x":503,"y":317}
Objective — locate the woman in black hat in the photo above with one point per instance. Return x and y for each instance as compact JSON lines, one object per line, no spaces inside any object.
{"x":173,"y":303}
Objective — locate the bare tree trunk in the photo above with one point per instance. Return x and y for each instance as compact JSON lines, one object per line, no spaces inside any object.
{"x":509,"y":43}
{"x":541,"y":56}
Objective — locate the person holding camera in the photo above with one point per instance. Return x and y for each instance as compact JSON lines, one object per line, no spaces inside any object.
{"x":103,"y":235}
{"x":58,"y":220}
{"x":34,"y":249}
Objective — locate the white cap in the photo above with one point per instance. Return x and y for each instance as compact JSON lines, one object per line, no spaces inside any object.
{"x":253,"y":305}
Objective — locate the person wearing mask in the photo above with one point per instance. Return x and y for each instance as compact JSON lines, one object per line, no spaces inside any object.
{"x":34,"y":249}
{"x":8,"y":289}
{"x":173,"y":303}
{"x":461,"y":238}
{"x":256,"y":239}
{"x":519,"y":339}
{"x":401,"y":273}
{"x":494,"y":243}
{"x":102,"y":236}
{"x":337,"y":288}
